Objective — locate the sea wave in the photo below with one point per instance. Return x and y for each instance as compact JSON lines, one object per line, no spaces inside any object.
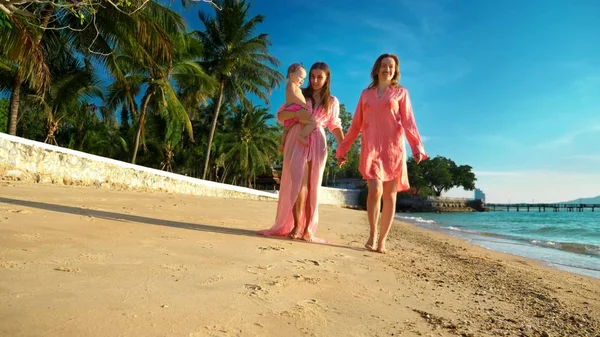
{"x":415,"y":219}
{"x":569,"y":247}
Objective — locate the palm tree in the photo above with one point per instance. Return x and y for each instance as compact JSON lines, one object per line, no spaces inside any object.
{"x":193,"y":82}
{"x":237,"y":58}
{"x":138,"y":64}
{"x":75,"y":83}
{"x":250,"y":143}
{"x":24,"y":57}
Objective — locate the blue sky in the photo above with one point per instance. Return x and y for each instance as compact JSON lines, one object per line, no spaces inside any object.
{"x":511,"y":88}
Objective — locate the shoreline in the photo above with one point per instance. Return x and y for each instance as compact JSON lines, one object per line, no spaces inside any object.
{"x":587,"y":264}
{"x":154,"y":264}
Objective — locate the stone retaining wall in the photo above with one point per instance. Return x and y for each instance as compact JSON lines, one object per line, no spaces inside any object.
{"x":438,"y":204}
{"x":27,"y":160}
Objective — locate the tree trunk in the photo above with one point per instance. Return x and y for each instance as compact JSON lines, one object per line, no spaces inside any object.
{"x":212,"y":129}
{"x":141,"y":122}
{"x":18,"y":82}
{"x":14,"y":103}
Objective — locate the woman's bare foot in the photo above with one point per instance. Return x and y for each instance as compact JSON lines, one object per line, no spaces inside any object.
{"x":294,"y":235}
{"x":306,"y":236}
{"x":381,"y":249}
{"x":370,"y":243}
{"x":302,"y":140}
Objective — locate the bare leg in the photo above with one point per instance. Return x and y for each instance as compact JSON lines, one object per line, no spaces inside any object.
{"x":303,"y":135}
{"x":282,"y":141}
{"x":373,"y":207}
{"x":387,"y":215}
{"x":300,"y":205}
{"x":306,"y":236}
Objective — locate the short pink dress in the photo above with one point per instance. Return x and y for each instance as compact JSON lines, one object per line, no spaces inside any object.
{"x":383,"y":122}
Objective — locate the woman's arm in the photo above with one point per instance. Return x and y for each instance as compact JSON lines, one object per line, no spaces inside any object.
{"x":353,"y":131}
{"x":410,"y":128}
{"x":335,"y":123}
{"x":303,"y":115}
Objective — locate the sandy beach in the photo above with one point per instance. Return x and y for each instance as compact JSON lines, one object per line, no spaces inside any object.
{"x":77,"y":261}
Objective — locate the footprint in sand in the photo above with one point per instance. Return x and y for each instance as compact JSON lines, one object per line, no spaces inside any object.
{"x":278,"y":281}
{"x":255,"y":290}
{"x":68,"y":270}
{"x":174,"y":267}
{"x":257,"y":270}
{"x":28,"y":237}
{"x":308,"y":314}
{"x":21,"y":211}
{"x":311,"y":280}
{"x":212,"y":280}
{"x":217,"y":331}
{"x":171,"y":237}
{"x":313,"y":262}
{"x":92,"y":257}
{"x":5,"y":264}
{"x":271,"y":248}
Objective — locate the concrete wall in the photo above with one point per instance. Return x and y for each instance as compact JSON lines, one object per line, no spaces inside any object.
{"x":27,"y":160}
{"x":438,"y":204}
{"x":339,"y":196}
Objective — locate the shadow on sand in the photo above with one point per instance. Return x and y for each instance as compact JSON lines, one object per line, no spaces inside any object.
{"x":152,"y":221}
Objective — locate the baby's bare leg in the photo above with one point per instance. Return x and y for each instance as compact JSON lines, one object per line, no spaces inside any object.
{"x":306,"y":130}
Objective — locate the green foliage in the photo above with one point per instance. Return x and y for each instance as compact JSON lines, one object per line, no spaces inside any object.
{"x":350,"y":169}
{"x":237,"y":57}
{"x":439,"y":174}
{"x":4,"y":21}
{"x":4,"y":104}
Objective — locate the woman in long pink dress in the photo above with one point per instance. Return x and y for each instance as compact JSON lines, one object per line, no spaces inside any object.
{"x":383,"y":116}
{"x":303,"y":166}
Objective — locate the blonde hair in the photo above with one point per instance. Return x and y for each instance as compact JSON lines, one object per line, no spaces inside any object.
{"x":293,"y":68}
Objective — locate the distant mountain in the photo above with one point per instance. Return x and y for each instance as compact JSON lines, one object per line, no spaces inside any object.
{"x":594,"y":200}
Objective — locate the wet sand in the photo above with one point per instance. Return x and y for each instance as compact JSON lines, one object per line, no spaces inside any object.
{"x":77,"y":261}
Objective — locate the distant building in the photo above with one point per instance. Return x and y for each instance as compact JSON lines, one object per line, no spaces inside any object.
{"x":479,"y":195}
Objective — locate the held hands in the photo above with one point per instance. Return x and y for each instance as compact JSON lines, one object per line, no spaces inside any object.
{"x":419,"y":157}
{"x":341,"y":161}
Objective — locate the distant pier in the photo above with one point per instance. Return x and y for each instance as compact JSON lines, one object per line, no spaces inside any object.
{"x":542,"y":207}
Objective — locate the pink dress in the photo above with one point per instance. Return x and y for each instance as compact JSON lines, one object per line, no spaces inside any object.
{"x":295,"y":158}
{"x":383,"y":123}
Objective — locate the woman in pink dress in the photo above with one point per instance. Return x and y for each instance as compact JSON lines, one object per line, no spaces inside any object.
{"x":383,"y":116}
{"x":303,"y":166}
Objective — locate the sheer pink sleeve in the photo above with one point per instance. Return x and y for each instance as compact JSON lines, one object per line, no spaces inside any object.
{"x":410,"y":126}
{"x":334,"y":115}
{"x":353,"y":131}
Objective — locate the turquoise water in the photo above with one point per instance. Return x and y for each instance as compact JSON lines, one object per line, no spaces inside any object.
{"x":566,"y":240}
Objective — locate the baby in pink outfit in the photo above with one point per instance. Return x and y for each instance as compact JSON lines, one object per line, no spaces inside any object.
{"x":295,"y":101}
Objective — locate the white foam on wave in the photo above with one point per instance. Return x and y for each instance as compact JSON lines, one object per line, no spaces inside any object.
{"x":415,"y":219}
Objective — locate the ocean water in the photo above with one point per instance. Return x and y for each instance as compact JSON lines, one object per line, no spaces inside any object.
{"x":566,"y":240}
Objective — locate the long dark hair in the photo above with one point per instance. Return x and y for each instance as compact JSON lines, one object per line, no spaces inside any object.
{"x":377,"y":66}
{"x":325,"y":91}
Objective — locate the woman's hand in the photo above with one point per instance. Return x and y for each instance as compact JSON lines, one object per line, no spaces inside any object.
{"x":419,"y":157}
{"x":341,"y":161}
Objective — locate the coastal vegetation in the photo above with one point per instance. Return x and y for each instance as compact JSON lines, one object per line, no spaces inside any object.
{"x":152,"y":92}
